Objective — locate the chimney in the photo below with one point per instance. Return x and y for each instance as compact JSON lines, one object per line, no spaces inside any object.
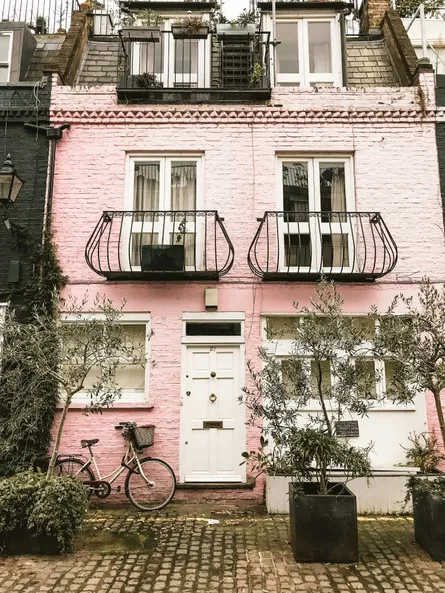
{"x":371,"y":15}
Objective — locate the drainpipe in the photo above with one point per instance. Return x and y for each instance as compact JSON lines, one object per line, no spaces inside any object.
{"x":53,"y":134}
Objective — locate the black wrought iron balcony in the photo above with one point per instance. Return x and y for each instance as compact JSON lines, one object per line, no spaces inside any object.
{"x":157,"y":66}
{"x":43,"y":16}
{"x":160,"y":245}
{"x":343,"y":246}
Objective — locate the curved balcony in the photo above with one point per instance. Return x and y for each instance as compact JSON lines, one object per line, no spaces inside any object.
{"x":160,"y":245}
{"x":304,"y":246}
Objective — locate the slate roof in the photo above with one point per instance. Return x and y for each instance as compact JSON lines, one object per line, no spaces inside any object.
{"x":45,"y":54}
{"x":369,"y":64}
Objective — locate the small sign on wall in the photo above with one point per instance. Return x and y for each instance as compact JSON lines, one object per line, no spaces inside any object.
{"x":347,"y":428}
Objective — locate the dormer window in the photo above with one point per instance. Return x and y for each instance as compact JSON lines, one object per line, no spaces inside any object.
{"x":5,"y":55}
{"x":309,"y":52}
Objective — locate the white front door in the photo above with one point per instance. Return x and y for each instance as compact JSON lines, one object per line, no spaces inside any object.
{"x":212,"y":419}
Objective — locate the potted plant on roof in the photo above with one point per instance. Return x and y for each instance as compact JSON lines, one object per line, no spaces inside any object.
{"x":416,"y":340}
{"x":305,"y":403}
{"x":190,"y":27}
{"x":148,"y":31}
{"x":241,"y":27}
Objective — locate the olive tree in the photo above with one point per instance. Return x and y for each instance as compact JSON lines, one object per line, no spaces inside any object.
{"x":414,"y":334}
{"x":80,"y":350}
{"x":331,"y":362}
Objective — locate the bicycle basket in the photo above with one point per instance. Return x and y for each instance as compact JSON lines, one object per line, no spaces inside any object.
{"x":144,"y":436}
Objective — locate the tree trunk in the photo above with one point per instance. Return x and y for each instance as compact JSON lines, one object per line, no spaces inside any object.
{"x":440,"y":415}
{"x":55,"y":453}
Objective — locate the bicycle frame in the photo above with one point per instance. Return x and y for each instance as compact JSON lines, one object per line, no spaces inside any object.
{"x":130,"y":457}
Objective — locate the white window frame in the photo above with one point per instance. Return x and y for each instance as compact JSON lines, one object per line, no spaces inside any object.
{"x":128,"y":396}
{"x":312,"y":227}
{"x":165,"y":162}
{"x":9,"y":34}
{"x":304,"y":77}
{"x":168,"y":76}
{"x":282,"y":349}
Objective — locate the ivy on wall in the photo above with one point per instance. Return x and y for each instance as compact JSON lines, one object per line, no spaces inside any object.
{"x":28,"y":399}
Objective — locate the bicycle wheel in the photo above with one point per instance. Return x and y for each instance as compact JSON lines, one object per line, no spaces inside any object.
{"x":73,"y":467}
{"x":159,"y":490}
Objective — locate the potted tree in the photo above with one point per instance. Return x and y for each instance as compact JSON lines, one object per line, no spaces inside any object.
{"x":243,"y":26}
{"x":305,"y":402}
{"x":190,"y":27}
{"x":148,"y":31}
{"x":416,"y":340}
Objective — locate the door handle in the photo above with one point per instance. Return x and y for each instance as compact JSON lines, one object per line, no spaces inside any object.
{"x":213,"y":374}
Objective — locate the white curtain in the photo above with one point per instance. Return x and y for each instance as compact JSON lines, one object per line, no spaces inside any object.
{"x":338,"y":204}
{"x":183,"y":186}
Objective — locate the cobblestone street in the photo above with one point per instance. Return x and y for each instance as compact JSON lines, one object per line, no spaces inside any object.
{"x":184,"y":550}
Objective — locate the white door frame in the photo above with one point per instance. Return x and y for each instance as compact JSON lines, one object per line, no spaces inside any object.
{"x":210,"y":341}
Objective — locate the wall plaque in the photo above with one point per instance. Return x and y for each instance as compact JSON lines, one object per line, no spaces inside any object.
{"x":348,"y":428}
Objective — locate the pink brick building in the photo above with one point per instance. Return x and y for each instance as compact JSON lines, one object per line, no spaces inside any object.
{"x":326,"y":162}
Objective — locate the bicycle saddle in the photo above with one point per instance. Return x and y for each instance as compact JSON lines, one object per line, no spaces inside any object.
{"x":88,"y":443}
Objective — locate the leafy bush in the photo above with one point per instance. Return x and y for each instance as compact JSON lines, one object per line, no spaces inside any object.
{"x":424,"y":453}
{"x":435,"y":486}
{"x":54,"y":507}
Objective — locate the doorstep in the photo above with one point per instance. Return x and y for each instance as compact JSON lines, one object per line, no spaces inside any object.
{"x":249,"y":485}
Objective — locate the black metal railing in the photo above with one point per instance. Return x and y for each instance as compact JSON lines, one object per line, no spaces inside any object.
{"x":173,"y":245}
{"x":43,"y":16}
{"x":211,"y":62}
{"x":308,"y":245}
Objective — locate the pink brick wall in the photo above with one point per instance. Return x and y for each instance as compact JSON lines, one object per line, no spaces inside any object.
{"x":396,"y":173}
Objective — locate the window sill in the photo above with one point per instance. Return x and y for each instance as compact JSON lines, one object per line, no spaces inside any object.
{"x":388,"y":408}
{"x":117,"y":406}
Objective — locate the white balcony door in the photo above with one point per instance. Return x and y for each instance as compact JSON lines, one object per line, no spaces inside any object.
{"x":315,"y":234}
{"x":212,"y":420}
{"x":171,"y":185}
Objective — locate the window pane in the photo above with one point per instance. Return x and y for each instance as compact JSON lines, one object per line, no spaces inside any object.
{"x":322,"y":373}
{"x":150,"y":58}
{"x":183,"y":185}
{"x":335,"y":251}
{"x":4,"y":48}
{"x":188,"y":240}
{"x":287,"y":50}
{"x":365,"y":324}
{"x":291,"y":372}
{"x":137,"y":241}
{"x":146,"y":186}
{"x":186,"y":57}
{"x":281,"y":328}
{"x":366,"y":378}
{"x":320,"y":58}
{"x":132,"y":377}
{"x":391,"y":368}
{"x":297,"y":250}
{"x":332,"y":189}
{"x":296,"y":190}
{"x":213,"y":329}
{"x":3,"y":74}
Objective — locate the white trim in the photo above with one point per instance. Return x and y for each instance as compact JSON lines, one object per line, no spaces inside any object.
{"x":3,"y":307}
{"x":128,"y":397}
{"x":216,"y":317}
{"x":9,"y":34}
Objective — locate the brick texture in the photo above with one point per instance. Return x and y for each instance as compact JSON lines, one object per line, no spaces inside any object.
{"x":395,"y":172}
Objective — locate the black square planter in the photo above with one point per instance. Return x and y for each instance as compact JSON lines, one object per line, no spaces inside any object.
{"x":163,"y":258}
{"x":323,"y":528}
{"x":429,"y":523}
{"x":22,"y":541}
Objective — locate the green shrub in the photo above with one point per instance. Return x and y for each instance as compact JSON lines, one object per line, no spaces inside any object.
{"x":42,"y":506}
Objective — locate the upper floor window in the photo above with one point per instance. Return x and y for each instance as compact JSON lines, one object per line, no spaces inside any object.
{"x":309,"y":52}
{"x":171,"y":185}
{"x":315,"y":195}
{"x":5,"y":56}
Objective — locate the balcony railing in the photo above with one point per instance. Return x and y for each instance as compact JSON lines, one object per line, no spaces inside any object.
{"x":211,"y":68}
{"x":160,"y":245}
{"x":43,"y":16}
{"x":343,"y":246}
